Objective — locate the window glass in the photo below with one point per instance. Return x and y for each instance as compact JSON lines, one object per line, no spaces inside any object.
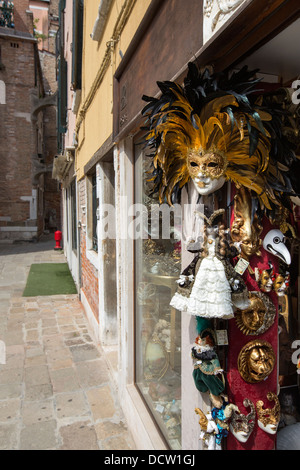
{"x":95,"y":204}
{"x":73,"y":214}
{"x":289,"y":355}
{"x":158,"y":326}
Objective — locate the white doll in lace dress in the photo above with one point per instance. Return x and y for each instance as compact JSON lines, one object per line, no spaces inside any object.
{"x":210,"y":287}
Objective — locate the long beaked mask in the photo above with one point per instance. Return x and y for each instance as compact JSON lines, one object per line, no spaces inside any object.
{"x":268,"y":418}
{"x":274,"y":243}
{"x":242,"y":425}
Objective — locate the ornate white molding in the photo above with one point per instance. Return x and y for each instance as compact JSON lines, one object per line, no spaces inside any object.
{"x":216,"y":13}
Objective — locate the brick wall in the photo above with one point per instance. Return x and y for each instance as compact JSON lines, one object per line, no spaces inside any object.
{"x":22,"y":20}
{"x":89,"y":279}
{"x":17,"y":137}
{"x":89,"y":274}
{"x":19,"y":176}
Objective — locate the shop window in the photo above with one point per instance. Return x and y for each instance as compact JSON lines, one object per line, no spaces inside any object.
{"x":67,"y":212}
{"x":2,"y":92}
{"x":73,"y":214}
{"x":157,"y":325}
{"x":92,"y":218}
{"x":107,"y":247}
{"x":95,"y":204}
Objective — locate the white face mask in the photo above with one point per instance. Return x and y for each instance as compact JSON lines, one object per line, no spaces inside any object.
{"x":270,"y":428}
{"x":241,"y":436}
{"x":205,"y":185}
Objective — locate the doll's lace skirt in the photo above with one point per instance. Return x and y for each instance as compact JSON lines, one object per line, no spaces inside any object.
{"x":211,"y":293}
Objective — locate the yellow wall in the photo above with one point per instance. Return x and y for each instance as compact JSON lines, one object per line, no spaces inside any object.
{"x":94,"y":122}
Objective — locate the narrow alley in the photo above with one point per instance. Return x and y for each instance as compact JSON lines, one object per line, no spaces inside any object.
{"x":56,"y":389}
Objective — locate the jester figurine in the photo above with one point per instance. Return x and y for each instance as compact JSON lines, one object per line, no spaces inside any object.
{"x":208,"y":374}
{"x":221,"y":415}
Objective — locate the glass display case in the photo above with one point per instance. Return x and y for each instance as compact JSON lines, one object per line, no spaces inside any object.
{"x":157,"y":325}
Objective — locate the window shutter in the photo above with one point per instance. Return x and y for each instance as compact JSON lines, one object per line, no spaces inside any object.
{"x":77,"y":43}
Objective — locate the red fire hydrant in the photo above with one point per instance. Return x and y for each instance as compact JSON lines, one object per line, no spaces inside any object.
{"x":57,"y":238}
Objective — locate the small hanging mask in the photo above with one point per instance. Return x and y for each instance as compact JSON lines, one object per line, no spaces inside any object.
{"x":242,"y":425}
{"x":265,"y":278}
{"x":281,"y":284}
{"x":268,"y":418}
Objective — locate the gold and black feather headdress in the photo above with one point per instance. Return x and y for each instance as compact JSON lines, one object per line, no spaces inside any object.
{"x":217,"y":113}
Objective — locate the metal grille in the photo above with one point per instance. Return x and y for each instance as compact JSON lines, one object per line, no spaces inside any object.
{"x":7,"y":14}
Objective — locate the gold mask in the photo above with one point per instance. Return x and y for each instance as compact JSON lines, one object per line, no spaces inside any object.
{"x":210,"y":164}
{"x":258,"y":317}
{"x":245,"y":231}
{"x":256,"y":361}
{"x":281,"y":284}
{"x":268,"y":419}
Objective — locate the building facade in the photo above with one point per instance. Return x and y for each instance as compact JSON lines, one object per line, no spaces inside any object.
{"x":124,"y":264}
{"x":29,"y":197}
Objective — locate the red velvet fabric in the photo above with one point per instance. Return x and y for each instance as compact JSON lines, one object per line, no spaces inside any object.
{"x":237,"y":388}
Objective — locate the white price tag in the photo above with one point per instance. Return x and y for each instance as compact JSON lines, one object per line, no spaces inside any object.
{"x":222,"y":337}
{"x":241,"y":266}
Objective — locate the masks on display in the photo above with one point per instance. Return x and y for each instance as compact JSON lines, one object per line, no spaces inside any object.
{"x":245,"y":229}
{"x":256,"y":361}
{"x":215,"y":136}
{"x":281,"y":283}
{"x":214,"y":129}
{"x":268,"y":418}
{"x":274,"y":244}
{"x":264,"y":278}
{"x":242,"y":425}
{"x":258,"y":317}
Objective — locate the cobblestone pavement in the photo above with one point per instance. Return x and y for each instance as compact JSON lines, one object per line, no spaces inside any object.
{"x":56,"y":390}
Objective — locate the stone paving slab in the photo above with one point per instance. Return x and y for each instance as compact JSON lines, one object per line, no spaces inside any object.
{"x":56,"y":391}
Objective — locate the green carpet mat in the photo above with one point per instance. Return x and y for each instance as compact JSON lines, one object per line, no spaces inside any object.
{"x":49,"y":279}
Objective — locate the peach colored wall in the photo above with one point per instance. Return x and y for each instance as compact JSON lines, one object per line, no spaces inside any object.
{"x":68,"y":23}
{"x":40,"y":12}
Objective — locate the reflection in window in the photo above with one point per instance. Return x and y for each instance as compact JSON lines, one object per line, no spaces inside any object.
{"x":73,"y":214}
{"x":158,"y":326}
